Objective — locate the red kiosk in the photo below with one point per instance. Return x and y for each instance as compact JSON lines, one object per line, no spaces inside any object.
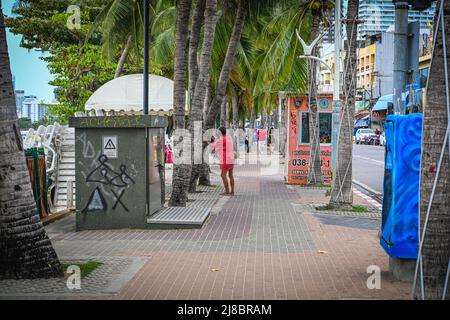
{"x":298,"y":139}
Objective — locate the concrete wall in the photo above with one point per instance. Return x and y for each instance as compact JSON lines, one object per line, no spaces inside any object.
{"x":384,"y":65}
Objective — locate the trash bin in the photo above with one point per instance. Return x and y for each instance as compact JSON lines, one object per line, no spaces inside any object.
{"x":118,"y":161}
{"x":38,"y":176}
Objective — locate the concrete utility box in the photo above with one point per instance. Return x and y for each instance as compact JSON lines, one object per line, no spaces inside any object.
{"x":119,"y":170}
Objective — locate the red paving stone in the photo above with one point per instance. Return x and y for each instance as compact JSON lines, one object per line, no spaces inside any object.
{"x":251,"y":251}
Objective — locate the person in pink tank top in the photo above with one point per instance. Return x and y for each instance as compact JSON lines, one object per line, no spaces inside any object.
{"x":224,"y":148}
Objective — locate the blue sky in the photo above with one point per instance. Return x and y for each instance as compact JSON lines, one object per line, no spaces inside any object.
{"x":31,"y":73}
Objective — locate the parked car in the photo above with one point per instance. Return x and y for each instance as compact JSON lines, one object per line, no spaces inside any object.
{"x":382,"y":139}
{"x":361,"y":134}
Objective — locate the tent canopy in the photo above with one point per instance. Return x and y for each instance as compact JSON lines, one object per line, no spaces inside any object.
{"x":126,"y":93}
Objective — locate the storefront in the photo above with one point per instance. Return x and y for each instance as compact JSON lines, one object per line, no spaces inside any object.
{"x":298,"y":147}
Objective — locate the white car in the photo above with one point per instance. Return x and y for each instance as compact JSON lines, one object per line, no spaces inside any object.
{"x":362,"y":133}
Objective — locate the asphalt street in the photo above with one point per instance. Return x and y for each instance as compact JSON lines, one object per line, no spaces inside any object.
{"x":368,"y":168}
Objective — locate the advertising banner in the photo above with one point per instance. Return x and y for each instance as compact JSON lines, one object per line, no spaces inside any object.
{"x":299,"y":143}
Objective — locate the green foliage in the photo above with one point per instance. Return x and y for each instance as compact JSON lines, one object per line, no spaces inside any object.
{"x":77,"y":76}
{"x":85,"y":268}
{"x":43,"y":23}
{"x":24,"y":123}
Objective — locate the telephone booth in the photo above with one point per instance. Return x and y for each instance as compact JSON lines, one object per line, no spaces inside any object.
{"x":298,"y":140}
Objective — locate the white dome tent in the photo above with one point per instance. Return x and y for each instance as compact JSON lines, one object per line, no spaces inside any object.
{"x":125,"y":94}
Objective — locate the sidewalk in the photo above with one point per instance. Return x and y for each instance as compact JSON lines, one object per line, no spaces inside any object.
{"x":266,"y":242}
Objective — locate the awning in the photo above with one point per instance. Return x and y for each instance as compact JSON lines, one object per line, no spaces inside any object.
{"x":383,"y":102}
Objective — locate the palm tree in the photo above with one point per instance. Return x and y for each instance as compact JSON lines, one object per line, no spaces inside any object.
{"x":225,"y":72}
{"x":25,"y":249}
{"x":120,"y":23}
{"x":202,"y":74}
{"x":435,"y":168}
{"x":341,"y":190}
{"x":181,"y":172}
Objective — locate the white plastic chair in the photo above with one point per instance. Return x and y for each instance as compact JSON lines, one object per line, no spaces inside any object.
{"x":29,"y":139}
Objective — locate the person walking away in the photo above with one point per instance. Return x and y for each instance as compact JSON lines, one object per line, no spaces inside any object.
{"x":224,"y":149}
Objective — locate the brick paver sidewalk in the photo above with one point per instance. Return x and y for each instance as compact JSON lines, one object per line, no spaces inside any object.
{"x":266,"y":242}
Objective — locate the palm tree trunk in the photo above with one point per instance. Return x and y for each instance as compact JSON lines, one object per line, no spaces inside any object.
{"x":436,"y":245}
{"x":252,"y":119}
{"x":227,"y":65}
{"x":235,"y":107}
{"x":25,"y":249}
{"x":123,"y":57}
{"x":197,"y":21}
{"x":223,"y":113}
{"x":341,"y":191}
{"x":315,"y":169}
{"x":283,"y":127}
{"x":181,"y":172}
{"x":201,"y":85}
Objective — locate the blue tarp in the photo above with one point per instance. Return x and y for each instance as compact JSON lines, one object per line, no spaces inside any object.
{"x":400,"y":216}
{"x":382,"y":102}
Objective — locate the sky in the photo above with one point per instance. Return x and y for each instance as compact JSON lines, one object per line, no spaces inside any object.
{"x":30,"y":72}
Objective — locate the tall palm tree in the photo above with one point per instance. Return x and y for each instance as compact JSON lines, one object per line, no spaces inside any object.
{"x":225,"y":72}
{"x":202,"y":80}
{"x":181,"y":171}
{"x":341,"y":190}
{"x":435,"y":166}
{"x":25,"y":249}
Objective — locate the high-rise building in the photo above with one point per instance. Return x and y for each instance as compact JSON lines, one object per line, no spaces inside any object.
{"x":20,"y":96}
{"x":30,"y":108}
{"x":379,"y":15}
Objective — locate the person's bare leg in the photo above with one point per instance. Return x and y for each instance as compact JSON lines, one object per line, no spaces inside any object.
{"x":230,"y":175}
{"x":225,"y":182}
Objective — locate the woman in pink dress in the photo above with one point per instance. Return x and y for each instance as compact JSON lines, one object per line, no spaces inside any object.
{"x":224,"y":148}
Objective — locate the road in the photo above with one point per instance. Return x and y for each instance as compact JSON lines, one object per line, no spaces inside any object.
{"x":368,"y":168}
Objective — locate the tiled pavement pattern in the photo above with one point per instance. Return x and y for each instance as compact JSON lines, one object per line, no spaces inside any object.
{"x":98,"y":282}
{"x":258,"y":245}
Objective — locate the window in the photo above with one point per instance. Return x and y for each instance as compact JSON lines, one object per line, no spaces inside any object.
{"x":303,"y":132}
{"x":324,"y":127}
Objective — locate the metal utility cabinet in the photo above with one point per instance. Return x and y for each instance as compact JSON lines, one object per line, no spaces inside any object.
{"x":119,"y":170}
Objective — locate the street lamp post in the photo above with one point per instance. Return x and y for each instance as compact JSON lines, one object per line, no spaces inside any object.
{"x":336,"y":84}
{"x":146,"y":53}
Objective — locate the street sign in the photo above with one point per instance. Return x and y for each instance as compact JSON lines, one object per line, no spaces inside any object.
{"x":110,"y":147}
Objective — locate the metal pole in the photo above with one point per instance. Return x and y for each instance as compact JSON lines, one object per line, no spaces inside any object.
{"x":146,"y":53}
{"x":400,"y":54}
{"x":336,"y":84}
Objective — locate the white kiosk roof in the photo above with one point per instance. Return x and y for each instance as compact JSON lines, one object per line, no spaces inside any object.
{"x":126,"y":94}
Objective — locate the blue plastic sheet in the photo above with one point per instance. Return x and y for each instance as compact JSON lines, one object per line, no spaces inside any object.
{"x":400,"y":216}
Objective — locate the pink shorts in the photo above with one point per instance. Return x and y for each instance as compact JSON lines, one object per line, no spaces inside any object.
{"x":226,"y":167}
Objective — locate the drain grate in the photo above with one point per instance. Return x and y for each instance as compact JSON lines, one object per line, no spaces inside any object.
{"x":180,"y":216}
